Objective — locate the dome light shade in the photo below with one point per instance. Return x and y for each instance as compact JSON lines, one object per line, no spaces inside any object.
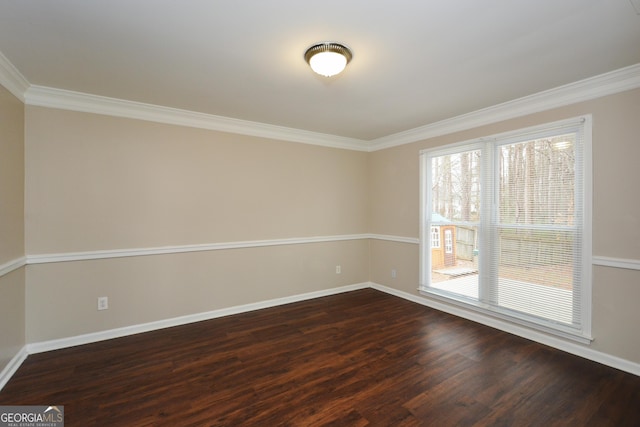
{"x":328,"y":59}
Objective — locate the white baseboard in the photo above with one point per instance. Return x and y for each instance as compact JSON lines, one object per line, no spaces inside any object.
{"x":57,"y":344}
{"x":558,"y":343}
{"x":12,"y":366}
{"x":555,"y":342}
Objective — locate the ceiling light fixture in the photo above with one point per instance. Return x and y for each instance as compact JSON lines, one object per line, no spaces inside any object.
{"x":328,"y":58}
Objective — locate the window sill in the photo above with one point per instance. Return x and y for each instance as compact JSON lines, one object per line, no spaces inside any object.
{"x":481,"y":313}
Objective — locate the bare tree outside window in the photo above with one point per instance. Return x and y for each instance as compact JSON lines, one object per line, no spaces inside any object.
{"x":508,"y":213}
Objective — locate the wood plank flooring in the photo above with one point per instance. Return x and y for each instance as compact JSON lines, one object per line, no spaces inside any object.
{"x":362,"y":358}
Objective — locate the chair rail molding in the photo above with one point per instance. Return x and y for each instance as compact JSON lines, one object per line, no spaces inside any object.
{"x":12,"y":265}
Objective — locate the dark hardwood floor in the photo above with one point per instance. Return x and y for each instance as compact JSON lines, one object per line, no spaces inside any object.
{"x":355,"y":359}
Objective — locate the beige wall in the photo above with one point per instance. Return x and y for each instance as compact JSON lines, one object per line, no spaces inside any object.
{"x":12,"y":315}
{"x":394,"y":189}
{"x":104,"y":183}
{"x":11,"y":177}
{"x":62,"y":296}
{"x":12,"y":285}
{"x":97,"y":182}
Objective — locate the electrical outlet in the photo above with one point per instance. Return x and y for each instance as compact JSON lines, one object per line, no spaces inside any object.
{"x":103,"y":303}
{"x":338,"y":269}
{"x":393,"y":273}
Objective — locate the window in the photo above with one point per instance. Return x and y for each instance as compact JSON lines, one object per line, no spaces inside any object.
{"x":435,"y":237}
{"x":448,"y":242}
{"x":518,"y":214}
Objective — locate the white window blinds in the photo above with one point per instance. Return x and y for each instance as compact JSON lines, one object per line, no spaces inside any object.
{"x":515,"y":210}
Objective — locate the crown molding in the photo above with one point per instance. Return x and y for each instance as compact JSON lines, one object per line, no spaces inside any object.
{"x":621,"y":80}
{"x":76,"y":101}
{"x":12,"y":79}
{"x":627,"y":78}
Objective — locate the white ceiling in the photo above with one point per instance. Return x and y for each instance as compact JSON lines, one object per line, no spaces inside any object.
{"x":415,"y":62}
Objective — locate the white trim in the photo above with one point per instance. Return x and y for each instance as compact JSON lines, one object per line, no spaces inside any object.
{"x":399,"y":239}
{"x":581,"y":125}
{"x":76,"y":101}
{"x":555,"y":342}
{"x":183,"y":320}
{"x":122,"y":253}
{"x":630,"y":264}
{"x":616,"y":81}
{"x":12,"y":79}
{"x":12,"y":366}
{"x":627,"y":78}
{"x":508,"y":316}
{"x":587,"y":226}
{"x":162,"y":250}
{"x":558,"y":343}
{"x":14,"y":264}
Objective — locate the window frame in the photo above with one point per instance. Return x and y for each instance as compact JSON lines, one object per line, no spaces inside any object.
{"x":488,"y":146}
